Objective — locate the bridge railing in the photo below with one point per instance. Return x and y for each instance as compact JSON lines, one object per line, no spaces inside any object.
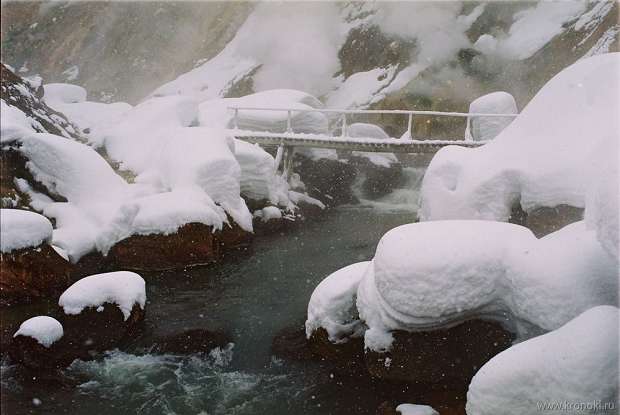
{"x":342,"y":115}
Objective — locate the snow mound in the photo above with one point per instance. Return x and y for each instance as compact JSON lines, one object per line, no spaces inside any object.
{"x":258,"y":174}
{"x":364,"y":130}
{"x":542,"y":159}
{"x":123,"y":288}
{"x":412,"y":409}
{"x":23,"y":229}
{"x":487,"y":128}
{"x":63,"y":93}
{"x":419,"y":279}
{"x":45,"y":330}
{"x":332,"y":304}
{"x":215,"y":113}
{"x":576,"y":364}
{"x":268,"y":213}
{"x":15,"y":123}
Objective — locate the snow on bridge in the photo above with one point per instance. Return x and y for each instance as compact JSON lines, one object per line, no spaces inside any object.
{"x":289,"y":139}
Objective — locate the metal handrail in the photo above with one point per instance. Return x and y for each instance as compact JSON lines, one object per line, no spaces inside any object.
{"x":343,"y":115}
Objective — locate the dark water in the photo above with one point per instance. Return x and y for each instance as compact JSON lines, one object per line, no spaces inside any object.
{"x":252,"y":298}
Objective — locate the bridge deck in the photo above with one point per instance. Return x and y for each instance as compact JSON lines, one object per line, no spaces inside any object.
{"x":387,"y":145}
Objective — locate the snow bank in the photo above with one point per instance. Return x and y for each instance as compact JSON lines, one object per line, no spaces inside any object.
{"x":215,"y":113}
{"x":575,"y":364}
{"x":412,"y":409}
{"x":419,"y":279}
{"x":364,"y":130}
{"x":45,"y":330}
{"x":63,"y":93}
{"x":71,"y":101}
{"x":15,"y":123}
{"x":123,"y":288}
{"x":268,"y":213}
{"x":137,"y":138}
{"x":332,"y":304}
{"x":487,"y":128}
{"x":541,"y":159}
{"x":23,"y":229}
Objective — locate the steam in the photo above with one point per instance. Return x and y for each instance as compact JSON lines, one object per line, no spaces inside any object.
{"x":296,"y":43}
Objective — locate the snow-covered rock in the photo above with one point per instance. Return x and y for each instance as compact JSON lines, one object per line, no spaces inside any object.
{"x":575,"y":365}
{"x":332,"y":304}
{"x":23,"y":229}
{"x":45,"y":330}
{"x":542,"y":159}
{"x":487,"y":128}
{"x":122,"y":288}
{"x":413,"y":409}
{"x":421,"y":280}
{"x":364,"y":130}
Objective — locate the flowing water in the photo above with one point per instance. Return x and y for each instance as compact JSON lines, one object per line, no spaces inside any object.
{"x":253,"y":298}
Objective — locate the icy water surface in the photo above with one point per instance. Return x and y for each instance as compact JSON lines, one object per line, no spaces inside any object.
{"x":253,"y":298}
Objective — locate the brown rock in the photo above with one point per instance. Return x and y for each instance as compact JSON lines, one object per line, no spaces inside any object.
{"x":347,"y":357}
{"x":448,"y":356}
{"x":32,"y":273}
{"x":543,"y":221}
{"x":193,"y":244}
{"x":94,"y":331}
{"x":33,"y":355}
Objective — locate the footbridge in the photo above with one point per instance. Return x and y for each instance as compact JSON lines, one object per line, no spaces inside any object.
{"x":338,"y":137}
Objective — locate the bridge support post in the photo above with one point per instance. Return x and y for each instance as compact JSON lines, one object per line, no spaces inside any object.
{"x":284,"y":161}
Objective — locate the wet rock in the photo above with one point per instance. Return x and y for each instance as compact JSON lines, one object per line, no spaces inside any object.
{"x":448,"y":356}
{"x":347,"y":357}
{"x":193,"y":244}
{"x":387,"y":408}
{"x":192,"y":341}
{"x":101,"y":328}
{"x":33,"y":355}
{"x":327,"y":180}
{"x":291,"y":344}
{"x":543,"y":221}
{"x":32,"y":273}
{"x":379,"y":180}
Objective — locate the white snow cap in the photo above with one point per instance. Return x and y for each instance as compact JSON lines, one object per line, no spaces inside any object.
{"x":421,"y":279}
{"x":45,"y":330}
{"x":576,"y":364}
{"x":542,"y":158}
{"x":487,"y":128}
{"x":413,"y":409}
{"x":23,"y":229}
{"x":332,"y":304}
{"x":63,"y":93}
{"x":123,"y":288}
{"x":365,"y":130}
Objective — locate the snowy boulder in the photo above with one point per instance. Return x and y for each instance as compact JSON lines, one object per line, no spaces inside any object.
{"x":101,"y":310}
{"x":45,"y":330}
{"x":37,"y":344}
{"x":216,"y":113}
{"x":364,"y":130}
{"x":542,"y":159}
{"x":487,"y":128}
{"x":332,"y":304}
{"x":496,"y":271}
{"x":31,"y":268}
{"x":23,"y":229}
{"x":577,"y":364}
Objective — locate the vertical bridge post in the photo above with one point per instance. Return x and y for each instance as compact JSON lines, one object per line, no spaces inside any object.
{"x":410,"y":126}
{"x":289,"y":128}
{"x":235,"y":126}
{"x":343,"y":120}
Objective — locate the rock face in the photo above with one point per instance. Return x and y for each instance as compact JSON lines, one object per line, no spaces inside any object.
{"x":32,"y":273}
{"x":193,"y":244}
{"x":450,"y":356}
{"x":328,"y":180}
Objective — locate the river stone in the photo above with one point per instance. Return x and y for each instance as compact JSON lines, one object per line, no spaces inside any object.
{"x":28,"y":352}
{"x":347,"y":357}
{"x":193,"y":244}
{"x":545,"y":220}
{"x":32,"y":273}
{"x":97,"y":329}
{"x":327,"y":180}
{"x":379,"y":180}
{"x":447,"y":356}
{"x":192,"y":341}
